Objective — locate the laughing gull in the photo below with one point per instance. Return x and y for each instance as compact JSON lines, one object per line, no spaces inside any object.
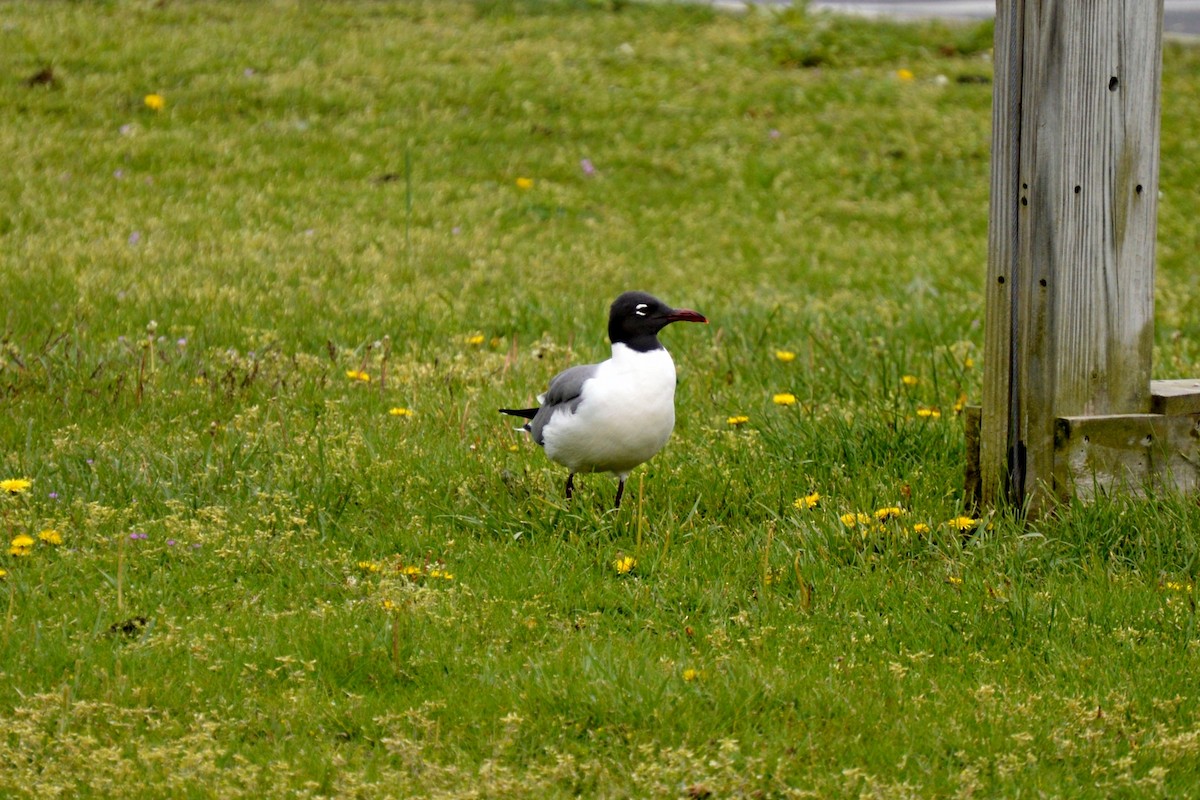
{"x":612,"y":416}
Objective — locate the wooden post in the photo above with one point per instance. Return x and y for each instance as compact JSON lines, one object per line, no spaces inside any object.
{"x":1070,"y":305}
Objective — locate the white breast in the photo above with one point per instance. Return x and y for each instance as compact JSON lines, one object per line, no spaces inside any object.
{"x":626,"y":415}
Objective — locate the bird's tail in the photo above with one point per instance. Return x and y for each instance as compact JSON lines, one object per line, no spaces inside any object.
{"x":527,"y":413}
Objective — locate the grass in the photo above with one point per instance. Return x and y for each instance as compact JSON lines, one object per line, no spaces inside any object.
{"x":269,"y":585}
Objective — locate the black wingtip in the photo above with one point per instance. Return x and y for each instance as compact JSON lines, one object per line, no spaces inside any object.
{"x":527,"y":413}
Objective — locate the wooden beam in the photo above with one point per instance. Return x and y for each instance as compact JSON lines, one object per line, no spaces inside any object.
{"x":1070,"y":308}
{"x":1126,"y":454}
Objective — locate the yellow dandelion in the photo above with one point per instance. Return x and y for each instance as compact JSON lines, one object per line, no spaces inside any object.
{"x":905,"y":75}
{"x":50,"y":536}
{"x":852,"y":519}
{"x":358,"y":375}
{"x":807,"y":502}
{"x":441,"y":574}
{"x":691,"y":675}
{"x":962,"y":523}
{"x":624,"y":564}
{"x":928,"y":413}
{"x":920,"y":527}
{"x":525,"y":183}
{"x":954,"y":580}
{"x":960,"y":404}
{"x":369,"y":566}
{"x":475,"y":339}
{"x":891,"y":512}
{"x":389,"y":605}
{"x":740,"y":419}
{"x":785,"y":355}
{"x":411,"y":571}
{"x":1177,"y":586}
{"x":3,"y":572}
{"x":400,"y":411}
{"x":21,"y":545}
{"x":514,"y":448}
{"x":969,"y":362}
{"x":155,"y":102}
{"x":910,"y":380}
{"x":784,"y":399}
{"x":15,"y":485}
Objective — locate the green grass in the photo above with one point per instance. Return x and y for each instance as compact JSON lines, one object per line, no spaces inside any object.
{"x":332,"y":188}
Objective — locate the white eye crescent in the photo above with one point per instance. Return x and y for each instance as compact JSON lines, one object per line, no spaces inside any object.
{"x":638,"y":309}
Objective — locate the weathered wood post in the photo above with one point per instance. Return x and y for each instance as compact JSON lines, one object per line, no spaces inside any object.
{"x":1068,"y":405}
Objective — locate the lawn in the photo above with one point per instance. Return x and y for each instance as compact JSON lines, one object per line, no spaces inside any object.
{"x":268,"y":270}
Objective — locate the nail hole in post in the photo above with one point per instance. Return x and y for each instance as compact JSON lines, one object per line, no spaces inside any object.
{"x":1078,"y":189}
{"x":1042,"y":283}
{"x":1112,"y":83}
{"x":1000,"y":280}
{"x":1138,"y":188}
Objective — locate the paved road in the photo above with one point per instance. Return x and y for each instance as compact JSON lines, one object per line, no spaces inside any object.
{"x":1179,"y":16}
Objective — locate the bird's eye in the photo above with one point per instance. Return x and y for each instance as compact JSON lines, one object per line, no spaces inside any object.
{"x":638,"y":309}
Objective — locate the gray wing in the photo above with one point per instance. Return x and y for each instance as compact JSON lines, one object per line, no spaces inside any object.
{"x":564,"y":392}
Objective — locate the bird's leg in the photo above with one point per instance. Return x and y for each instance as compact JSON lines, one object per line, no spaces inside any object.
{"x":620,"y":491}
{"x":570,"y":484}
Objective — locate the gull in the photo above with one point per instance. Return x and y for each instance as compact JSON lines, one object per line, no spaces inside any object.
{"x":615,"y":415}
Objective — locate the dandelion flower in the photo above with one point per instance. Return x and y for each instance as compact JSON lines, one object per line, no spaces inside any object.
{"x":954,"y":580}
{"x":358,"y":375}
{"x":962,"y":523}
{"x":920,"y":527}
{"x":928,"y":413}
{"x":15,"y":485}
{"x":50,"y":536}
{"x":411,"y":571}
{"x":960,"y":404}
{"x":740,"y":419}
{"x":1176,"y":586}
{"x":807,"y":502}
{"x":624,"y":564}
{"x":784,"y":399}
{"x":891,"y":512}
{"x":690,"y":675}
{"x":851,"y":519}
{"x":21,"y":545}
{"x":3,"y":572}
{"x":525,"y":183}
{"x":785,"y":355}
{"x":399,"y":411}
{"x":905,"y":75}
{"x":475,"y":340}
{"x":969,"y":362}
{"x":910,"y":380}
{"x":155,"y":102}
{"x":368,"y":566}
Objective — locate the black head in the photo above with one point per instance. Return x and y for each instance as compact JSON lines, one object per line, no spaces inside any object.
{"x":636,"y":318}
